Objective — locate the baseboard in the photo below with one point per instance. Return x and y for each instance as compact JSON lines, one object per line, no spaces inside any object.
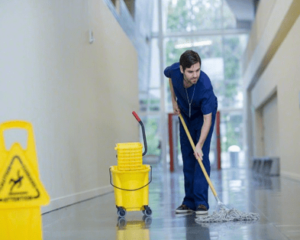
{"x":293,"y":176}
{"x":57,"y":203}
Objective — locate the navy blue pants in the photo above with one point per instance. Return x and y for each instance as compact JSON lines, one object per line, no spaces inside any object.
{"x":195,"y":183}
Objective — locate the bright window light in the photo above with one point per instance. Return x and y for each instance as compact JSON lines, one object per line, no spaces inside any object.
{"x":195,"y":44}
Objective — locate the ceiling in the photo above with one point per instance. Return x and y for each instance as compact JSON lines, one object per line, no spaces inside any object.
{"x":244,"y":11}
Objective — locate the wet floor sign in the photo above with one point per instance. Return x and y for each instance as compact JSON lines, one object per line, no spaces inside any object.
{"x":21,"y":191}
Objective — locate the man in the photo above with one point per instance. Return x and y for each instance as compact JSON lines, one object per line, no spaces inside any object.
{"x":193,"y":97}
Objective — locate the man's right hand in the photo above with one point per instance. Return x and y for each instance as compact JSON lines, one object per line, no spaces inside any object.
{"x":176,"y":108}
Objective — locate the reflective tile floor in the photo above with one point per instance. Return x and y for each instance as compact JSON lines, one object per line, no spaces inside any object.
{"x":276,"y":199}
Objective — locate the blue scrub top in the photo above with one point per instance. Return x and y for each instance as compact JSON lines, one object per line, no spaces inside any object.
{"x":204,"y":101}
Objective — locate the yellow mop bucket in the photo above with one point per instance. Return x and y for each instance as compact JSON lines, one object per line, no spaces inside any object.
{"x":131,"y":177}
{"x":131,"y":190}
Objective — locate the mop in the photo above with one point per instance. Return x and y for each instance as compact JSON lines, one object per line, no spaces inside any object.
{"x":222,"y":214}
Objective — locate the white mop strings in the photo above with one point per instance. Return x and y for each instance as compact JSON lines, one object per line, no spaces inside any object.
{"x":226,"y":215}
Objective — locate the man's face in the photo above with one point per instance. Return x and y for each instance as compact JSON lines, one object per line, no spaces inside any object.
{"x":191,"y":75}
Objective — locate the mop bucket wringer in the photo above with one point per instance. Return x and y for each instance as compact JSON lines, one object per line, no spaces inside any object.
{"x":130,"y":178}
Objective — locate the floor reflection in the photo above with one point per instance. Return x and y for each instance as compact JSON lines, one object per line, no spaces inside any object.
{"x":195,"y":231}
{"x":133,"y":229}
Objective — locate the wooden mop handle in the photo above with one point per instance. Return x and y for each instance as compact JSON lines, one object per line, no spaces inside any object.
{"x":199,"y":160}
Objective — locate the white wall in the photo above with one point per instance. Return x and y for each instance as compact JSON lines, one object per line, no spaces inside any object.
{"x":270,"y":127}
{"x":283,"y":73}
{"x":281,"y":76}
{"x":78,"y":96}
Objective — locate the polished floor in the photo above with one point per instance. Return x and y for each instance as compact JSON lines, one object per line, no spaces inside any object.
{"x":276,"y":199}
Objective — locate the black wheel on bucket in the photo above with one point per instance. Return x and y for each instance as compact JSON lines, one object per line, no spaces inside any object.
{"x":147,"y":211}
{"x":121,"y":212}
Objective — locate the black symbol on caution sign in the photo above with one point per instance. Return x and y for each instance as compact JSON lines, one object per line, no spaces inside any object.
{"x":18,"y":183}
{"x":16,"y":191}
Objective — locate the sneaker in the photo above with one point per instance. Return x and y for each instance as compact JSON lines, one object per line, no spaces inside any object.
{"x":201,"y":209}
{"x":183,"y":209}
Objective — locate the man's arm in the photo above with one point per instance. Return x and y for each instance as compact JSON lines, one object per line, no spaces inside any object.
{"x":207,"y":120}
{"x":173,"y":97}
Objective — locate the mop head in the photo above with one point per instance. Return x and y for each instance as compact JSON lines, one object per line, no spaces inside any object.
{"x":224,"y":214}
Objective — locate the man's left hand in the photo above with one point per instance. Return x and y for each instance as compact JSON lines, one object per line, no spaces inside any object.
{"x":198,"y":152}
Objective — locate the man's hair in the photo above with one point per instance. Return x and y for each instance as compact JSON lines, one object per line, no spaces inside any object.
{"x":189,"y":58}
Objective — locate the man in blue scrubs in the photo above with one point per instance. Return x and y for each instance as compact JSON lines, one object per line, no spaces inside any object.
{"x":193,"y":97}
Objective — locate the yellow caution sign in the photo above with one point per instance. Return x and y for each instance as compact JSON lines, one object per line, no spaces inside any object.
{"x":21,"y":191}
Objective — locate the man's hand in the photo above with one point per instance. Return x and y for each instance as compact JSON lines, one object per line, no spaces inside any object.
{"x":198,"y":152}
{"x":176,"y":108}
{"x":207,"y":118}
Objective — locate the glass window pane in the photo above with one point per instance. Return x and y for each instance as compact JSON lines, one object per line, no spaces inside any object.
{"x":207,"y":47}
{"x":143,"y":98}
{"x":193,"y":15}
{"x":151,"y":124}
{"x":154,"y":99}
{"x":154,"y":73}
{"x":232,"y":135}
{"x":231,"y":91}
{"x":155,"y":16}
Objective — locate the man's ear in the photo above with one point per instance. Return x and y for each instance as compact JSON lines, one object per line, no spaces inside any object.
{"x":181,"y":69}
